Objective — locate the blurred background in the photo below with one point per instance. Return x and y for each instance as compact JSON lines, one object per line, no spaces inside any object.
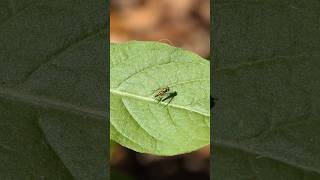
{"x":180,"y":23}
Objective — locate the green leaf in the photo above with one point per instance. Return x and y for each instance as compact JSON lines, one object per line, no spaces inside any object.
{"x":266,"y":78}
{"x":137,"y":120}
{"x":53,"y":89}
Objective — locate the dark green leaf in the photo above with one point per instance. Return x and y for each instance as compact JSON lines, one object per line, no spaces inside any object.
{"x":266,"y":76}
{"x":53,"y":88}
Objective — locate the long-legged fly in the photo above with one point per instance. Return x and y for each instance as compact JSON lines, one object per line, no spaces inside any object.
{"x":161,"y":91}
{"x":164,"y":94}
{"x":170,"y":96}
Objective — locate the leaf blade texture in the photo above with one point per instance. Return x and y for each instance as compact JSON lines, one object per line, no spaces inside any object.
{"x":266,"y":78}
{"x":51,"y":57}
{"x":137,"y":120}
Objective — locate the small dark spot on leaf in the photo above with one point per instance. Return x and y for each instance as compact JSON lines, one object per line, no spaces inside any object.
{"x":212,"y":101}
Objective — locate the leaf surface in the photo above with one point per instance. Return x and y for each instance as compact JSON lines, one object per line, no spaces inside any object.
{"x":53,"y":88}
{"x":137,"y":120}
{"x":266,"y":77}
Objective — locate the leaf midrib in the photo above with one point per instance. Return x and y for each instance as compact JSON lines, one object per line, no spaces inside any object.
{"x":20,"y":96}
{"x":243,"y":148}
{"x":142,"y":98}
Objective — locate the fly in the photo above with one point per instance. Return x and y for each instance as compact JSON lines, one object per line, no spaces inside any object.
{"x":170,"y":96}
{"x":161,"y":91}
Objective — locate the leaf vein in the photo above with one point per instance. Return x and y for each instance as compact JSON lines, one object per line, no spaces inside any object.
{"x":126,"y":94}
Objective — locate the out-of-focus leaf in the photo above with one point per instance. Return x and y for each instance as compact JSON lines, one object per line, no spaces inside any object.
{"x":53,"y":89}
{"x":266,"y":76}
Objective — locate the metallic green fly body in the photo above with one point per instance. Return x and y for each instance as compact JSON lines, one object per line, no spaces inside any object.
{"x":164,"y":93}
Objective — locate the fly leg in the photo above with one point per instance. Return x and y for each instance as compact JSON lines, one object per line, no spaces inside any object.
{"x":169,"y":101}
